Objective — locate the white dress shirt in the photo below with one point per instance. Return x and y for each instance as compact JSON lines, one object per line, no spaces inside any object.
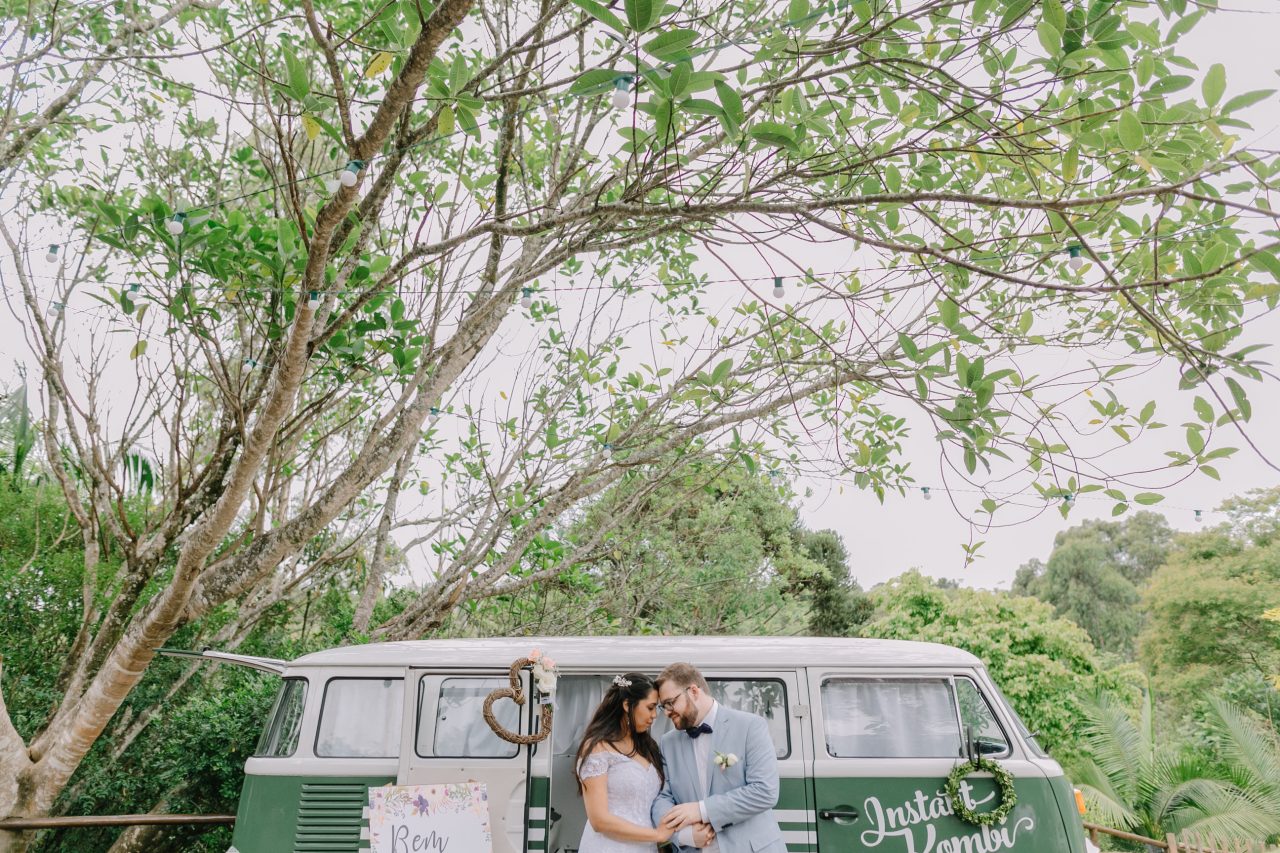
{"x":702,"y":760}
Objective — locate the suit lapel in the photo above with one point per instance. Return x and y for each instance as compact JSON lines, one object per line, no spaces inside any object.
{"x":719,"y":737}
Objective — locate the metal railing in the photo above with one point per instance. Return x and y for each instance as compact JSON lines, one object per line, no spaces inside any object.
{"x":17,"y":824}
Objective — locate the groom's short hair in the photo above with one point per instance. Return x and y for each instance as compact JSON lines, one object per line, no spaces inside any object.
{"x":682,"y":675}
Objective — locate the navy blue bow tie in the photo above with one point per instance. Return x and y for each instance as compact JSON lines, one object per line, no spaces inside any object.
{"x":698,"y":730}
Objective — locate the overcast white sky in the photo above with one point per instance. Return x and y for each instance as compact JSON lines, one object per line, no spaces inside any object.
{"x":908,"y":532}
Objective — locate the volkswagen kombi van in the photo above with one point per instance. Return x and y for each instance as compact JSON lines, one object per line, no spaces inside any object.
{"x":866,"y":732}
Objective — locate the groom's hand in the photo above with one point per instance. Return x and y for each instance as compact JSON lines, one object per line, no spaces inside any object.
{"x":703,"y":835}
{"x":685,"y":814}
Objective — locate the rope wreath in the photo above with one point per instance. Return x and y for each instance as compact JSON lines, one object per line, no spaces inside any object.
{"x":516,"y":694}
{"x":1004,"y":779}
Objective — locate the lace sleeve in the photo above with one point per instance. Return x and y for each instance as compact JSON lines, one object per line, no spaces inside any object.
{"x":593,"y":765}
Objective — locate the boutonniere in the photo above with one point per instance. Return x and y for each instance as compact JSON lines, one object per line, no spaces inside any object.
{"x":725,"y":760}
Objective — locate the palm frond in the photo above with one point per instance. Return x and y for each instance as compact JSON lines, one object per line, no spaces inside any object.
{"x":1247,"y":745}
{"x":1116,"y":744}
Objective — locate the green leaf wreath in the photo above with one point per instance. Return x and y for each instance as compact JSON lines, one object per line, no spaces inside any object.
{"x":1004,"y":779}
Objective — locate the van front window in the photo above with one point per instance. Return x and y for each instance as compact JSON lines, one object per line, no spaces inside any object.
{"x":360,"y":718}
{"x":280,"y":737}
{"x":890,"y":718}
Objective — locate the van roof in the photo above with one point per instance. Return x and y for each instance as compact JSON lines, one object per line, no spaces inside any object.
{"x":649,"y":652}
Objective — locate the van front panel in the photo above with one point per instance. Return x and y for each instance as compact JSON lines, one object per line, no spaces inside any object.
{"x":302,"y":814}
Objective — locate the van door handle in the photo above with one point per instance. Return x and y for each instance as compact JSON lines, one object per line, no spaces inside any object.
{"x":840,"y":814}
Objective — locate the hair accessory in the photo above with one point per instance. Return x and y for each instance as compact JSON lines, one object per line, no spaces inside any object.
{"x":621,"y":682}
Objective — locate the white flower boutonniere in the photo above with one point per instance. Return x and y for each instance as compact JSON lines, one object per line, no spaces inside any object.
{"x":725,"y":760}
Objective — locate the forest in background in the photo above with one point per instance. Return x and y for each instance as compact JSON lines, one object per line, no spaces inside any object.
{"x":1146,"y":659}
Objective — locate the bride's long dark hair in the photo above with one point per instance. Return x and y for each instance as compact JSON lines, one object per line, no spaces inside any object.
{"x":612,"y":722}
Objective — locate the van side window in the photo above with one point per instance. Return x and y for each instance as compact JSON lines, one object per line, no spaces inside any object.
{"x":284,"y":723}
{"x":890,"y":718}
{"x":979,"y":720}
{"x":763,"y":697}
{"x":460,"y":729}
{"x":360,"y":718}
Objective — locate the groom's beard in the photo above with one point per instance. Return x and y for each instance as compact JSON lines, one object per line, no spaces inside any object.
{"x":686,"y":720}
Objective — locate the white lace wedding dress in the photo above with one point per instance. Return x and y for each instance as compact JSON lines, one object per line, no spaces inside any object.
{"x":632,"y":786}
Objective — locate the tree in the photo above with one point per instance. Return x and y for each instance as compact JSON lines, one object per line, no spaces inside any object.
{"x":1137,"y":780}
{"x":1206,"y":622}
{"x":717,"y":551}
{"x":837,"y":605}
{"x":1094,"y":574}
{"x":287,"y":347}
{"x":1045,"y":665}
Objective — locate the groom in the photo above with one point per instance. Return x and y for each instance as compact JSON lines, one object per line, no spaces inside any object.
{"x":721,"y":771}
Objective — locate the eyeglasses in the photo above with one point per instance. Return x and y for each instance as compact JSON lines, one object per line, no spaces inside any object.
{"x":666,"y":706}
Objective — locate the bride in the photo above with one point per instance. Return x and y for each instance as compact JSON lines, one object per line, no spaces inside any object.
{"x":619,"y":770}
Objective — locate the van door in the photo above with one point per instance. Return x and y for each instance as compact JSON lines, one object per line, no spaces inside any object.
{"x":782,"y":699}
{"x":446,"y":739}
{"x":883,"y":747}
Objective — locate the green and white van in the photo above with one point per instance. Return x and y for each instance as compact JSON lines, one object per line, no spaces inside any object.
{"x":866,"y":731}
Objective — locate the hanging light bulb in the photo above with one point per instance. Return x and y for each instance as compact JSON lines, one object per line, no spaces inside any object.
{"x":621,"y":92}
{"x":1069,"y":499}
{"x":924,"y":491}
{"x":331,"y":185}
{"x":52,"y":256}
{"x":1076,"y":261}
{"x":56,"y":307}
{"x":526,"y":297}
{"x":434,"y":416}
{"x":135,"y":287}
{"x":608,"y":450}
{"x":350,"y":173}
{"x":174,"y":224}
{"x":313,"y":300}
{"x":1199,"y":516}
{"x":778,"y":292}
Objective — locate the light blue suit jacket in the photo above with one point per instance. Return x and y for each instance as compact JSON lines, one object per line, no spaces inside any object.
{"x":740,"y":799}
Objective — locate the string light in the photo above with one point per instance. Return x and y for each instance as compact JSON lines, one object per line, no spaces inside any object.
{"x":174,"y":224}
{"x":621,"y":92}
{"x":778,"y":292}
{"x":350,"y":173}
{"x":925,"y":493}
{"x":313,"y":300}
{"x":1068,"y":499}
{"x":435,"y":415}
{"x":1199,"y":516}
{"x":56,"y":307}
{"x":608,"y":450}
{"x":251,"y":363}
{"x":52,"y":257}
{"x":526,"y":297}
{"x":1076,"y":261}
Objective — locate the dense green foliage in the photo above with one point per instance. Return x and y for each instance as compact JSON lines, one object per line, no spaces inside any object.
{"x":1044,"y":664}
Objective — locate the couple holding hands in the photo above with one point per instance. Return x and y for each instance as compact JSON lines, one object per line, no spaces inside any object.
{"x":711,"y":785}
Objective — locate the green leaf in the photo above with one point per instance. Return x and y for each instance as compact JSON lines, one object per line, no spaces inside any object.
{"x":1147,"y":498}
{"x":774,"y":133}
{"x":595,"y":81}
{"x":1242,"y":401}
{"x":797,"y":12}
{"x":1054,"y":15}
{"x":1195,"y":440}
{"x":1016,"y":11}
{"x":1171,"y":83}
{"x":299,"y":79}
{"x":138,"y":349}
{"x":722,"y":371}
{"x":671,"y":44}
{"x":1248,"y":99}
{"x":1132,"y":136}
{"x":601,"y":14}
{"x":950,"y":313}
{"x":731,"y":101}
{"x":908,"y":346}
{"x":1215,"y":84}
{"x":1050,"y":37}
{"x":639,"y":14}
{"x":1204,"y":411}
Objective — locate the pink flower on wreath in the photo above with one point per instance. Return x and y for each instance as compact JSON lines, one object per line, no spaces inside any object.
{"x":548,"y":663}
{"x":535,"y":654}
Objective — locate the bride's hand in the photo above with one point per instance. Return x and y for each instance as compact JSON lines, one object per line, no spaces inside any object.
{"x":703,"y":834}
{"x":661,"y":835}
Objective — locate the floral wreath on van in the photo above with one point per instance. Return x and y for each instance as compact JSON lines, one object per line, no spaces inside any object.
{"x":1004,"y":780}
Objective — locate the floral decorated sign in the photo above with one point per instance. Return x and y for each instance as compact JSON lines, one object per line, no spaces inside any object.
{"x":445,"y":818}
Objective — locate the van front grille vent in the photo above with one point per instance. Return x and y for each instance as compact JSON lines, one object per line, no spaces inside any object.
{"x":329,"y":817}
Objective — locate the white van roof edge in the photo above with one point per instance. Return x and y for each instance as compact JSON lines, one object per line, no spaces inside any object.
{"x":643,"y":653}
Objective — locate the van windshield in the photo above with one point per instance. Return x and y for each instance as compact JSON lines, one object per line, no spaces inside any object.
{"x":1029,"y":737}
{"x":280,"y":737}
